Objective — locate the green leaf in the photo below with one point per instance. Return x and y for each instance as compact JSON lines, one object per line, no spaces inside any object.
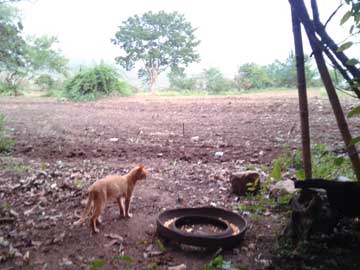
{"x":354,"y":112}
{"x":351,"y":29}
{"x":97,"y":264}
{"x":43,"y":165}
{"x":355,"y":141}
{"x":160,"y":245}
{"x":276,"y":172}
{"x":339,"y":161}
{"x":352,"y":62}
{"x":345,"y":46}
{"x":300,"y":174}
{"x":346,"y":17}
{"x":77,"y":182}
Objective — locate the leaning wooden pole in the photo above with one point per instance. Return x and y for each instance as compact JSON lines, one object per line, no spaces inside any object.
{"x":301,"y":13}
{"x":303,"y":102}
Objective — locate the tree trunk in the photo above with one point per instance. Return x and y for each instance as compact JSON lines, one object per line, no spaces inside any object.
{"x":153,"y":80}
{"x":303,"y":103}
{"x":301,"y":12}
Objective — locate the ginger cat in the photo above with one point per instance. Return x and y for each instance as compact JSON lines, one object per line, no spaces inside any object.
{"x":111,"y":187}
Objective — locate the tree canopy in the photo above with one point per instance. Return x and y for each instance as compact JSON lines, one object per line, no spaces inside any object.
{"x":159,"y":41}
{"x":21,"y":57}
{"x":12,"y":45}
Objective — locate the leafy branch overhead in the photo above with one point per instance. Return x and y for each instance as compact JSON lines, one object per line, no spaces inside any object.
{"x":21,"y":57}
{"x":158,"y":41}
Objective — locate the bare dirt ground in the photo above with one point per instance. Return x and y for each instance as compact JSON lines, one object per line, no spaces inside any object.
{"x":63,"y":147}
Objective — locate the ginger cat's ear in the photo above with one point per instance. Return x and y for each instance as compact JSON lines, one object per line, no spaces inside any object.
{"x":141,"y":166}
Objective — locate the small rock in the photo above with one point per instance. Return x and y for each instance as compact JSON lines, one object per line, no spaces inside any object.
{"x":14,"y":213}
{"x":342,"y":179}
{"x":14,"y":252}
{"x":43,"y":200}
{"x":84,"y":202}
{"x":178,"y":267}
{"x":3,"y":242}
{"x":252,"y":246}
{"x":66,"y":262}
{"x":26,"y":257}
{"x":243,"y":182}
{"x":282,"y":188}
{"x":114,"y":139}
{"x":154,"y":253}
{"x":194,"y":139}
{"x":76,"y":175}
{"x":219,"y":154}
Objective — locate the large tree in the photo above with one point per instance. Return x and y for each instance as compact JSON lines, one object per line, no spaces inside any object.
{"x":159,"y":41}
{"x":20,"y":57}
{"x":12,"y":44}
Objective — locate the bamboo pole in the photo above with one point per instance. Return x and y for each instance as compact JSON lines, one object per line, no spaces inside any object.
{"x":303,"y":102}
{"x":301,"y":12}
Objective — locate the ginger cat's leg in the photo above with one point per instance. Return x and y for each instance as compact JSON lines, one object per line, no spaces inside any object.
{"x":121,"y":207}
{"x":127,"y":207}
{"x":98,"y":206}
{"x":86,"y":210}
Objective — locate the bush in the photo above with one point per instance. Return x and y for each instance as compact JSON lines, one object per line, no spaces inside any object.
{"x":94,"y":83}
{"x":7,"y":89}
{"x":5,"y":142}
{"x":45,"y":81}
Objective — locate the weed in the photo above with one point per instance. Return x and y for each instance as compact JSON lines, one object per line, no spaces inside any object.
{"x":5,"y":142}
{"x":125,"y":258}
{"x":220,"y":264}
{"x":160,"y":245}
{"x":5,"y":206}
{"x":152,"y":266}
{"x":44,"y":165}
{"x":78,"y":182}
{"x":97,"y":264}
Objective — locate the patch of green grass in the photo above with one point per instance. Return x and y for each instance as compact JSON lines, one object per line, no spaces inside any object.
{"x":325,"y":164}
{"x":219,"y":263}
{"x":97,"y":264}
{"x":6,"y":143}
{"x":78,"y":182}
{"x":160,"y":245}
{"x":125,"y":258}
{"x":8,"y":164}
{"x":5,"y":206}
{"x":152,"y":266}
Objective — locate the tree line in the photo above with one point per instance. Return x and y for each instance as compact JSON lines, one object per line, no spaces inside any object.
{"x":279,"y":74}
{"x":155,"y":43}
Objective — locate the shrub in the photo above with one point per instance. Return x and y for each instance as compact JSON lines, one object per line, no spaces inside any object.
{"x":325,"y":163}
{"x":96,"y":82}
{"x":5,"y":142}
{"x":45,"y":81}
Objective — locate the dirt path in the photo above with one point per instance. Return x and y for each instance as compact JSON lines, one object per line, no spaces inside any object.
{"x":63,"y":147}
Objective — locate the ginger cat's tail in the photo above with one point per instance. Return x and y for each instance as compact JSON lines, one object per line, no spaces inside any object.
{"x":86,"y":210}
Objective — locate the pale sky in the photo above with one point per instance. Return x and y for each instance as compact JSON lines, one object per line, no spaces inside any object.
{"x":232,"y":32}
